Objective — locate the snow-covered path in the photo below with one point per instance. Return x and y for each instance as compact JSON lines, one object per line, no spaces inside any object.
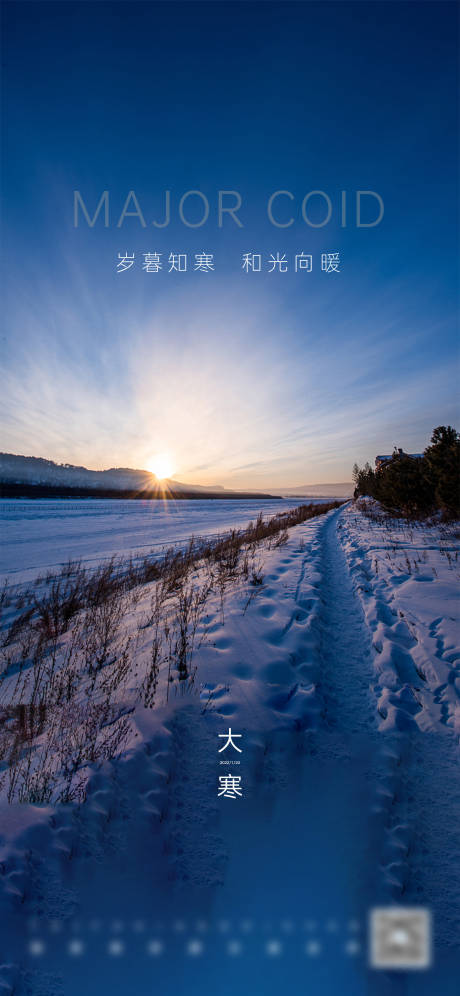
{"x":346,"y":675}
{"x":340,"y":810}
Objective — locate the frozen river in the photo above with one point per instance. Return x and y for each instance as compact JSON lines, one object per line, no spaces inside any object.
{"x":43,"y":534}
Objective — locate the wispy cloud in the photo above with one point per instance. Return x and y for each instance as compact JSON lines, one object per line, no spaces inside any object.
{"x":236,"y":386}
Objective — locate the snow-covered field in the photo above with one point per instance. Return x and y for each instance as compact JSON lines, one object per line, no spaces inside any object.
{"x":42,"y":535}
{"x":335,"y":656}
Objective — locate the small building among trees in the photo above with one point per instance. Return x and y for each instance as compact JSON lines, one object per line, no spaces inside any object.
{"x":381,"y":460}
{"x":416,"y":484}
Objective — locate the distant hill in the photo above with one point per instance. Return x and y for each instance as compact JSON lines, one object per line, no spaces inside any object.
{"x":37,"y":477}
{"x":341,"y":490}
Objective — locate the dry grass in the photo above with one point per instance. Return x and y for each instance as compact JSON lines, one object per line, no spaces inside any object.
{"x":406,"y":544}
{"x":69,"y":663}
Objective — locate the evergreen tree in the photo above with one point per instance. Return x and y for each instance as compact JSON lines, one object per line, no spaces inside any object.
{"x":442,"y":462}
{"x":402,"y":486}
{"x":417,"y":486}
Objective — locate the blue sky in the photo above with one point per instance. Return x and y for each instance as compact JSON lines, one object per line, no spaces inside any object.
{"x":245,"y":379}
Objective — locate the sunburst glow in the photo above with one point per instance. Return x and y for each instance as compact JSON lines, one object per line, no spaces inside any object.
{"x":161,"y":466}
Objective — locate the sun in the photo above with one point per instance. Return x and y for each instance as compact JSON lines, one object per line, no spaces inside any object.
{"x":160,"y":465}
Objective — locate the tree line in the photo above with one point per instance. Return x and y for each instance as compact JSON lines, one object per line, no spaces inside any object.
{"x":417,"y":486}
